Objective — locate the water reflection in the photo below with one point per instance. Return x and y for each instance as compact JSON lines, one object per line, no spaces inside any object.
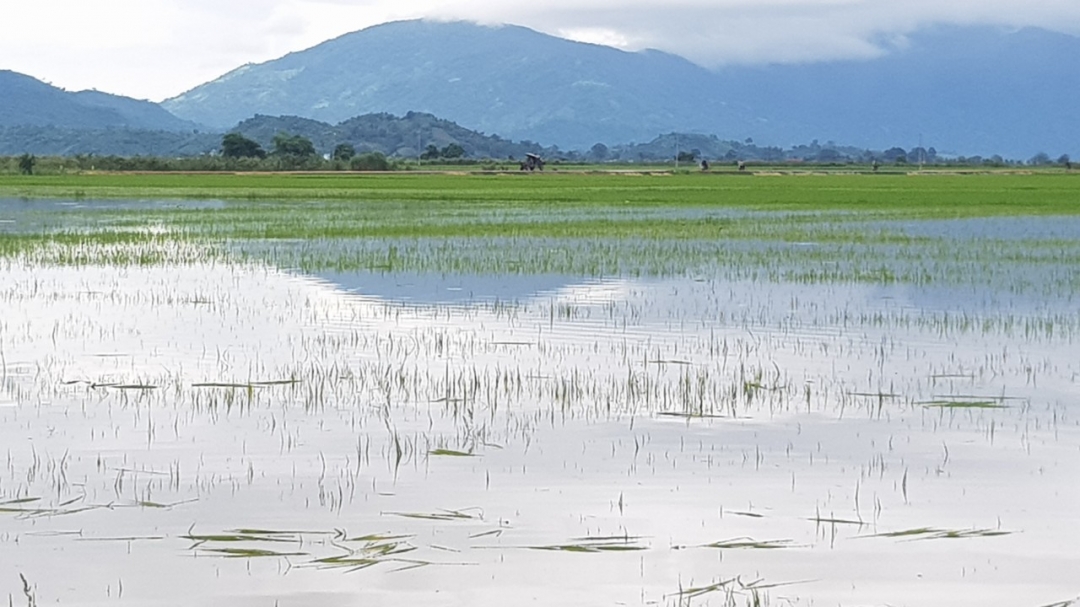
{"x":238,"y":434}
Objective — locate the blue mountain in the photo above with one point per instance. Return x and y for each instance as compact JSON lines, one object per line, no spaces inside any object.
{"x":28,"y":102}
{"x":969,"y":90}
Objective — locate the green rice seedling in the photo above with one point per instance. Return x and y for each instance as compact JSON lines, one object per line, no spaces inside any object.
{"x":246,"y":535}
{"x":743,"y":543}
{"x":450,"y":453}
{"x":373,"y":552}
{"x":441,"y":515}
{"x":598,"y":544}
{"x":836,"y":521}
{"x":732,"y":588}
{"x":930,"y":533}
{"x":696,"y":591}
{"x":964,"y":404}
{"x":689,"y":416}
{"x":746,"y":514}
{"x":19,"y":501}
{"x":132,"y":538}
{"x":375,"y":538}
{"x":250,"y":553}
{"x":119,"y":386}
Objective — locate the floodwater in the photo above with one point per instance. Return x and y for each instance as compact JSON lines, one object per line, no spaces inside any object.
{"x":239,"y":434}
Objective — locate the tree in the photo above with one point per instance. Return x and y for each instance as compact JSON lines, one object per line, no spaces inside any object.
{"x":372,"y":161}
{"x":344,"y":152}
{"x":235,"y":145}
{"x":430,"y":153}
{"x":599,"y":152}
{"x":1040,"y":159}
{"x":453,"y":151}
{"x":896,"y":154}
{"x":26,"y":164}
{"x":1064,"y":160}
{"x":918,"y":155}
{"x":295,"y":146}
{"x":686,"y":156}
{"x":829,"y":155}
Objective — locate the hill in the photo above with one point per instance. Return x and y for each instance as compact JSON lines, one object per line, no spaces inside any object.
{"x":404,"y":137}
{"x":60,"y":141}
{"x":26,"y":101}
{"x":968,"y":90}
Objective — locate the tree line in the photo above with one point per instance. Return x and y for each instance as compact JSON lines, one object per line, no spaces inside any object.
{"x":290,"y":152}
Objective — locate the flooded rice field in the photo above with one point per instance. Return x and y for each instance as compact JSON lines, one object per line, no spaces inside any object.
{"x":233,"y":431}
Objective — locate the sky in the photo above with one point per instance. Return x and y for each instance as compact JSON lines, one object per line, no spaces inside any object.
{"x":155,"y":49}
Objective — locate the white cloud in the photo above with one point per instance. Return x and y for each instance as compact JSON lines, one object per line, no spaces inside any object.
{"x":158,"y":48}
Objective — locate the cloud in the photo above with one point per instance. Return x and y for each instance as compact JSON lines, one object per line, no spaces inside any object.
{"x":718,"y":32}
{"x":158,"y":48}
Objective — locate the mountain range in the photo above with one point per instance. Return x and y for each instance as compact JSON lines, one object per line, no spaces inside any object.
{"x":964,"y":90}
{"x":973,"y":90}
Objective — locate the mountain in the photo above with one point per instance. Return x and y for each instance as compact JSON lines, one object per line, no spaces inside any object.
{"x":28,"y":102}
{"x":507,"y":80}
{"x":968,"y":90}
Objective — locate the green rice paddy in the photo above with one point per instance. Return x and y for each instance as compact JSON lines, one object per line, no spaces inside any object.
{"x":488,"y":389}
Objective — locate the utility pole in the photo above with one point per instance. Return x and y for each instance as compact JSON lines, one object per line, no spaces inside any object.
{"x":676,"y":152}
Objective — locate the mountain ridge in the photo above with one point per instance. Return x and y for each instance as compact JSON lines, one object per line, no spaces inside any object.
{"x":27,"y":101}
{"x":960,"y":88}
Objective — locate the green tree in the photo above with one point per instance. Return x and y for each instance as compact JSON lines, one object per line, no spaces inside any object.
{"x":344,"y":152}
{"x":452,"y":151}
{"x":26,"y":164}
{"x":1040,"y":159}
{"x":599,"y":152}
{"x":431,"y":153}
{"x":295,"y":146}
{"x":896,"y":154}
{"x":372,"y":161}
{"x":235,"y":145}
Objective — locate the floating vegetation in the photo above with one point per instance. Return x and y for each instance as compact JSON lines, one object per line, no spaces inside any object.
{"x":836,"y":521}
{"x":119,"y":386}
{"x":746,"y":514}
{"x":691,"y":415}
{"x":450,"y":453}
{"x":250,"y":553}
{"x":598,"y":544}
{"x":732,"y":588}
{"x":374,"y":551}
{"x":965,"y":404}
{"x":929,"y":533}
{"x":744,"y":543}
{"x":443,"y":515}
